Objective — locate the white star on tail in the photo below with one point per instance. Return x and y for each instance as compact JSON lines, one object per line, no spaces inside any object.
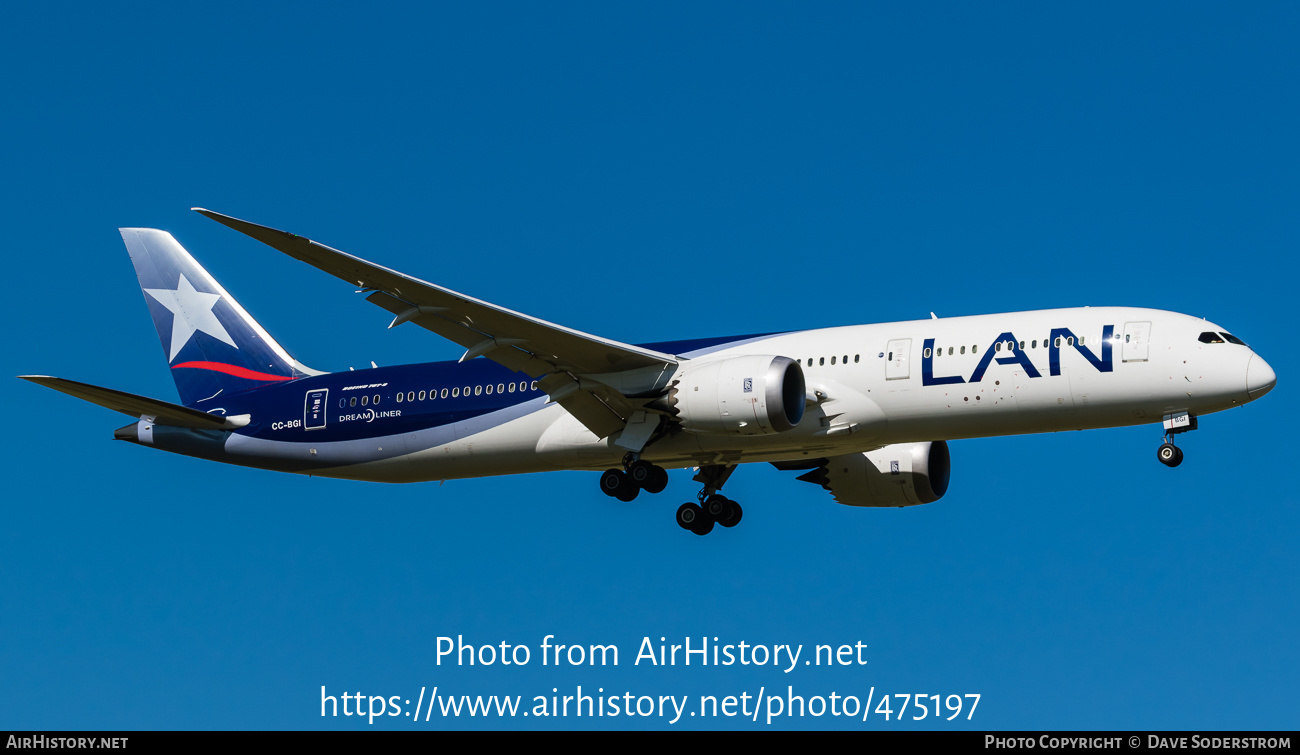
{"x":191,"y":311}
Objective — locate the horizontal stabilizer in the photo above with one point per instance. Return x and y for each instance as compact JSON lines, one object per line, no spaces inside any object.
{"x":130,"y":404}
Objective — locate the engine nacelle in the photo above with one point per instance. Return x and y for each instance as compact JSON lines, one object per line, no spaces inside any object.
{"x":749,"y":395}
{"x":904,"y":474}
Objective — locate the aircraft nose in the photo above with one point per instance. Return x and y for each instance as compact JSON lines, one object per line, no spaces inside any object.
{"x":1260,"y":378}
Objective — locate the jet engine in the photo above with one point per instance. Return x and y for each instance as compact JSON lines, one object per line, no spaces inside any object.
{"x":749,"y":395}
{"x":904,"y":474}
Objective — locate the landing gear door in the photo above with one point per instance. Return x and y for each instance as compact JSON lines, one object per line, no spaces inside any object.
{"x":897,"y":355}
{"x":1137,"y":341}
{"x":313,"y":411}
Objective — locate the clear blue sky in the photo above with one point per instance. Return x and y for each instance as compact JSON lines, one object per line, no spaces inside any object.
{"x":649,"y":173}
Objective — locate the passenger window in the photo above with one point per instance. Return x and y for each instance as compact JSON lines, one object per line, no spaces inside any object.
{"x":1081,"y":339}
{"x":365,"y":400}
{"x":353,"y":402}
{"x":975,"y":349}
{"x":1069,"y":341}
{"x":998,"y":346}
{"x":856,"y":357}
{"x":478,"y":390}
{"x":399,"y":398}
{"x":1022,"y":345}
{"x":891,"y":356}
{"x":421,"y":395}
{"x":512,"y":387}
{"x":534,"y":385}
{"x":410,"y":395}
{"x":927,"y":353}
{"x":489,"y":389}
{"x":821,"y":361}
{"x":376,"y":400}
{"x":501,"y":388}
{"x":1210,"y":337}
{"x":832,"y":360}
{"x":466,"y":391}
{"x":1034,"y":344}
{"x":443,"y":394}
{"x":1057,"y":342}
{"x":949,"y":351}
{"x":343,"y":403}
{"x":963,"y":349}
{"x":455,"y":392}
{"x":845,"y":360}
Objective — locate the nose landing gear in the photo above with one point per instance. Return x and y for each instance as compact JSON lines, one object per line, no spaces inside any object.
{"x":1169,"y":454}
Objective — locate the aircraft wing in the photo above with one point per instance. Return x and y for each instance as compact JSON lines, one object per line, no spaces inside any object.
{"x":566,"y":362}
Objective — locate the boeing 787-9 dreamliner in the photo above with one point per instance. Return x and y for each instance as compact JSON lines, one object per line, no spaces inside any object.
{"x":862,"y":410}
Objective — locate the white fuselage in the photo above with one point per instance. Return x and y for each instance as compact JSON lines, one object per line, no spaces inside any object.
{"x":868,"y":387}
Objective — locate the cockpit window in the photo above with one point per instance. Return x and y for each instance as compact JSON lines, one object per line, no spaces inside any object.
{"x":1209,"y":337}
{"x":1233,"y":339}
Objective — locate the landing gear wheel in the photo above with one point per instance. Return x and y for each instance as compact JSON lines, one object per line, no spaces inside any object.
{"x":614,"y":482}
{"x":1170,"y":455}
{"x":658,"y":481}
{"x":640,"y":471}
{"x":610,"y":481}
{"x":731,"y":514}
{"x":649,"y":477}
{"x":688,"y":515}
{"x":703,"y":526}
{"x":715,"y":506}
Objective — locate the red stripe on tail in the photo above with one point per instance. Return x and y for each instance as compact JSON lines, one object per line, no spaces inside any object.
{"x":230,"y":369}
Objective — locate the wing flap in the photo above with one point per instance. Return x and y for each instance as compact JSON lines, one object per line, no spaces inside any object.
{"x":162,"y":412}
{"x":464,"y":334}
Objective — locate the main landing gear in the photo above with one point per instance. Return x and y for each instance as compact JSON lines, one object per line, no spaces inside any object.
{"x":639,"y":475}
{"x":713,"y":507}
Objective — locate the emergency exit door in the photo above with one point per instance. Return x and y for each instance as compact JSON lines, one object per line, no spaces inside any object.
{"x":313,"y":411}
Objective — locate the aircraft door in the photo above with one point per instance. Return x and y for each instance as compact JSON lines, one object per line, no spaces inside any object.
{"x":313,"y":410}
{"x":897,"y":356}
{"x":1137,"y":341}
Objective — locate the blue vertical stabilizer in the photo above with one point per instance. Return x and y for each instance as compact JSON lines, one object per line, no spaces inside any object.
{"x":212,"y":345}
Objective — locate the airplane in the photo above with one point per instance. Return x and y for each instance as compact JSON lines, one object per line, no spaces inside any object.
{"x":864,"y":411}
